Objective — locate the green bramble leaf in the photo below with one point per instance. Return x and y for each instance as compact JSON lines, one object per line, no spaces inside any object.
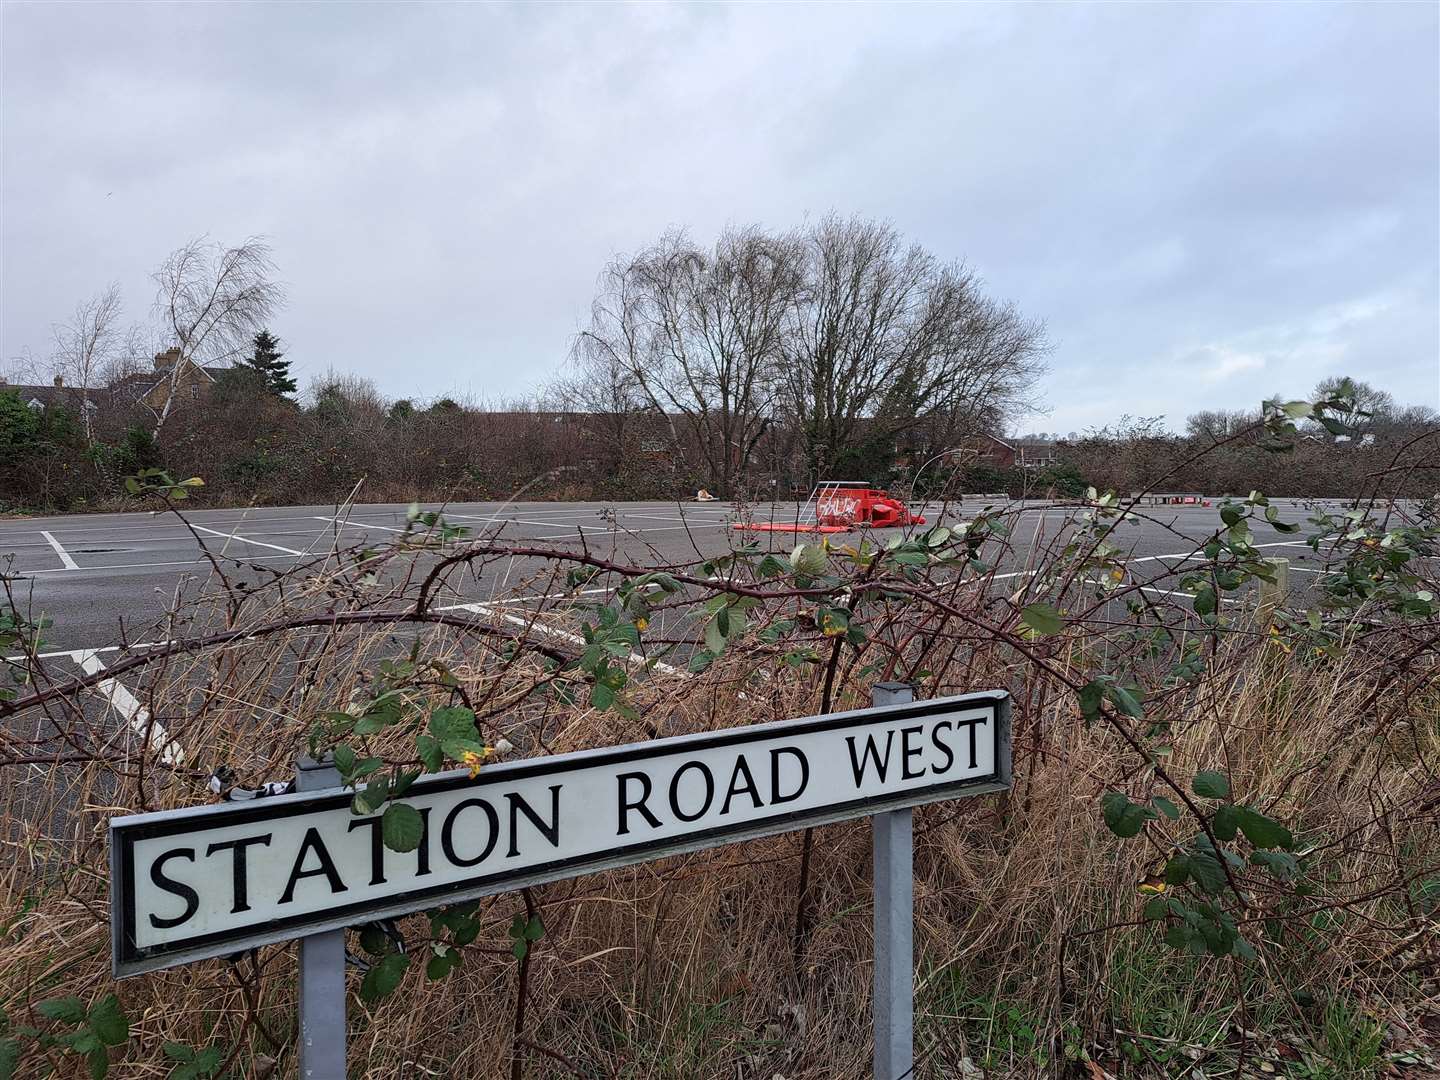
{"x":384,"y":977}
{"x":67,"y":1010}
{"x":1209,"y":784}
{"x":1041,"y":619}
{"x":428,"y":750}
{"x":1262,"y":831}
{"x":1124,"y":818}
{"x":401,"y":827}
{"x":1282,"y":864}
{"x":443,"y":960}
{"x":808,"y":561}
{"x":1125,"y":699}
{"x":1207,"y":872}
{"x":108,"y":1021}
{"x":1225,"y":823}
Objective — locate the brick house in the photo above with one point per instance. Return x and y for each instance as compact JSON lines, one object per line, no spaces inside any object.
{"x":152,"y":388}
{"x":41,"y":396}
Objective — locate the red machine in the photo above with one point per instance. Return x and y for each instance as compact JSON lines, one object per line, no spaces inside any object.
{"x":851,"y":504}
{"x":841,"y":505}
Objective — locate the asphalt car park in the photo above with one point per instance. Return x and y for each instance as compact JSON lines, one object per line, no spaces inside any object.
{"x":107,"y":581}
{"x":106,"y":578}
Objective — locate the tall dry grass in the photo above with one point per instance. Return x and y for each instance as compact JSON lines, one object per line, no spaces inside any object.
{"x":1033,"y":958}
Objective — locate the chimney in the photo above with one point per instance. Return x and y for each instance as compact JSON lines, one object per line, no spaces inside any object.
{"x":167,"y":359}
{"x":59,"y":380}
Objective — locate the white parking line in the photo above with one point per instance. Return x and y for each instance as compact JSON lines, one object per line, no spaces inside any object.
{"x":130,"y":709}
{"x":70,"y":564}
{"x":358,"y":524}
{"x":147,"y":565}
{"x":622,"y":531}
{"x":247,"y":540}
{"x":564,"y":635}
{"x":1197,"y":553}
{"x":677,"y":517}
{"x":570,"y":533}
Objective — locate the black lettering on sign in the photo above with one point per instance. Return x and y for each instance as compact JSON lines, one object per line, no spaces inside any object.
{"x":776,"y":796}
{"x":943,"y":747}
{"x":447,"y":832}
{"x":972,"y":723}
{"x":422,"y":853}
{"x":859,"y":766}
{"x":377,"y":846}
{"x":675,"y":790}
{"x":742,"y":769}
{"x":312,"y":842}
{"x":550,"y":831}
{"x":239,"y":877}
{"x":907,"y":752}
{"x":626,"y":806}
{"x":175,"y":888}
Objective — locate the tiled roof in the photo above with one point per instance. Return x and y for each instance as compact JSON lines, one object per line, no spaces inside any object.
{"x":48,"y":394}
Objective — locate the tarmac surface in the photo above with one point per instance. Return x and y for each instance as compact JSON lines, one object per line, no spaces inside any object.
{"x":107,"y":578}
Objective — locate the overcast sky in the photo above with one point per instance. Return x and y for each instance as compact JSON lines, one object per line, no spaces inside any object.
{"x":1207,"y":203}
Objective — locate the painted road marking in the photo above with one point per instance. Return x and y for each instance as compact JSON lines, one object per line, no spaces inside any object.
{"x":70,"y":564}
{"x":148,"y":565}
{"x":246,"y":540}
{"x":130,"y":710}
{"x":358,"y":524}
{"x":564,"y":635}
{"x":618,"y":529}
{"x":1198,"y":552}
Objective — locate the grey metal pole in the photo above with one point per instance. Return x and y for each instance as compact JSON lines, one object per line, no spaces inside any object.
{"x":322,"y":968}
{"x":894,"y":1004}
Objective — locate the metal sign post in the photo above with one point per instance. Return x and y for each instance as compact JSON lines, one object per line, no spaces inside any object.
{"x":210,"y":881}
{"x":894,"y":999}
{"x":322,"y":968}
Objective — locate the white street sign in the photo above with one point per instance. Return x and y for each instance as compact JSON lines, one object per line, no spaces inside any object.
{"x":213,"y":880}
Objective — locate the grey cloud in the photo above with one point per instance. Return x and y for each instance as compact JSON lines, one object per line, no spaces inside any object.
{"x":1206,"y":203}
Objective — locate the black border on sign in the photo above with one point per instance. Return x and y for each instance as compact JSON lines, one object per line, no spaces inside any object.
{"x":130,"y":959}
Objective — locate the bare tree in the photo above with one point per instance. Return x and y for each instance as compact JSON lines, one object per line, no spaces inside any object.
{"x":87,"y":348}
{"x":1216,"y":424}
{"x":210,"y":301}
{"x":701,"y":334}
{"x":603,"y":390}
{"x":1369,"y":400}
{"x":887,"y":338}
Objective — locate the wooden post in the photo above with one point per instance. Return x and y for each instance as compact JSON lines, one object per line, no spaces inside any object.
{"x":1272,"y":596}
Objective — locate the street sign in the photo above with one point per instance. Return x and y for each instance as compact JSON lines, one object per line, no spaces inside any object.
{"x":213,"y":880}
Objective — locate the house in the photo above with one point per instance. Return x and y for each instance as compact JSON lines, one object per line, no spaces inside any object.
{"x":40,"y":396}
{"x":981,"y":450}
{"x":1036,"y":453}
{"x":153,"y":388}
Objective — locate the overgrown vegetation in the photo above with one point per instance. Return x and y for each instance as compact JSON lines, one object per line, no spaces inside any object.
{"x":1220,"y":852}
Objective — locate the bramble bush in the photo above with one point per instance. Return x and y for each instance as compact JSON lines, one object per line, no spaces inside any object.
{"x":1220,"y":846}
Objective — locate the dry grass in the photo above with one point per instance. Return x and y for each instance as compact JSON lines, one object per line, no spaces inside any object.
{"x":1028,"y":952}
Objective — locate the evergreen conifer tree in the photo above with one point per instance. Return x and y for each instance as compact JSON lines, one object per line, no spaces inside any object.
{"x":267,"y":361}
